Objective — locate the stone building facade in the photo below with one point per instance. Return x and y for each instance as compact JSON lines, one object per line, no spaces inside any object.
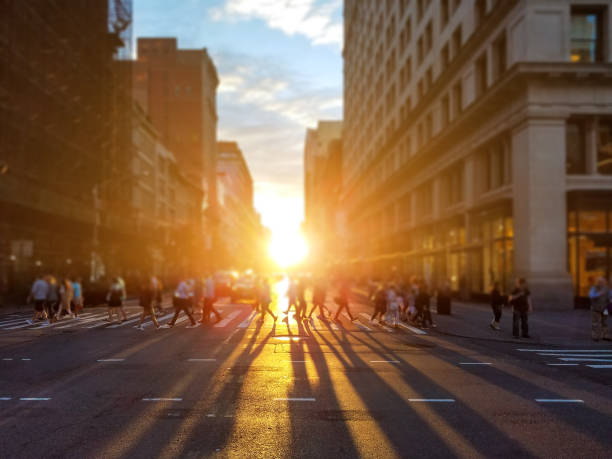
{"x":477,"y":143}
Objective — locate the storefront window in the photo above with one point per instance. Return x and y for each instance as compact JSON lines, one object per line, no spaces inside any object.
{"x":509,"y":228}
{"x":593,"y":263}
{"x":571,"y":222}
{"x":498,"y":227}
{"x":592,"y":221}
{"x":604,"y":147}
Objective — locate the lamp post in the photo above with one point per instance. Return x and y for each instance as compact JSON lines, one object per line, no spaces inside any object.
{"x":97,"y":202}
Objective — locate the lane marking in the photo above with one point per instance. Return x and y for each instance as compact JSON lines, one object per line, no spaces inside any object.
{"x":577,"y":355}
{"x":435,"y":400}
{"x":35,"y":399}
{"x":562,"y":364}
{"x":418,"y":331}
{"x":475,"y":363}
{"x":598,"y":366}
{"x":359,"y":324}
{"x":6,"y":398}
{"x":558,"y":400}
{"x":111,"y":360}
{"x":227,"y":320}
{"x":576,"y":359}
{"x":131,"y":319}
{"x":201,"y":360}
{"x":210,"y":415}
{"x":93,"y":318}
{"x":384,"y":361}
{"x":25,"y":359}
{"x":246,"y":322}
{"x":364,"y":315}
{"x":149,"y":322}
{"x":296,"y":399}
{"x":162,"y":399}
{"x":7,"y":359}
{"x":564,"y":350}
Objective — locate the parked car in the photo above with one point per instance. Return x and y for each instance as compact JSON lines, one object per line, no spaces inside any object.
{"x":224,"y":281}
{"x":244,"y":288}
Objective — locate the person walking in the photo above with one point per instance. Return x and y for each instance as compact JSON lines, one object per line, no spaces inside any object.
{"x":497,"y":304}
{"x":301,"y":299}
{"x":77,"y":299}
{"x":292,"y":300}
{"x":157,"y":288}
{"x":599,"y":294}
{"x":380,"y":303}
{"x":520,"y":299}
{"x":52,"y":302}
{"x":146,"y":301}
{"x":38,"y":294}
{"x":183,"y":296}
{"x":66,"y":293}
{"x":114,"y":299}
{"x":342,"y":300}
{"x":318,"y":299}
{"x":422,"y":302}
{"x":209,"y":300}
{"x":395,"y":303}
{"x":265,"y":300}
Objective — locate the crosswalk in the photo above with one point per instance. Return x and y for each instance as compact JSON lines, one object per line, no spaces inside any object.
{"x":233,"y":317}
{"x":593,"y":358}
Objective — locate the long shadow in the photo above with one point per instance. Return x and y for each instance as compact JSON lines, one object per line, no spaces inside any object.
{"x":218,"y":429}
{"x":416,"y":379}
{"x":326,"y":425}
{"x":529,"y":391}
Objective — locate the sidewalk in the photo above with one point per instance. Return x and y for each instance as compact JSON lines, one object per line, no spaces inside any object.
{"x":546,"y":327}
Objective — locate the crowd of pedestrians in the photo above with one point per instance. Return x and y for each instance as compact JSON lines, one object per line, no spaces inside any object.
{"x":54,"y":300}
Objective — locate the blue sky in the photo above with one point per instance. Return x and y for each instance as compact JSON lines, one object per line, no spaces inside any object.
{"x":280,"y":67}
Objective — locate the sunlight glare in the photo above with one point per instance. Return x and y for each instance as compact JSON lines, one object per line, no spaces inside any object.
{"x":287,"y":248}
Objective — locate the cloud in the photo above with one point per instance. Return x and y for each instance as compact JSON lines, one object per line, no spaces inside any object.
{"x":266,"y":107}
{"x":316,"y":20}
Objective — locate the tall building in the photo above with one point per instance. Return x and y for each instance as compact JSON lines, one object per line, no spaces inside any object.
{"x":322,"y":182}
{"x":240,"y":226}
{"x":177,"y":89}
{"x":478,"y":142}
{"x":61,"y":125}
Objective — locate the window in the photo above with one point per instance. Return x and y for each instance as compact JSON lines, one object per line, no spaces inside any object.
{"x":575,"y":146}
{"x":456,"y":41}
{"x":499,"y":57}
{"x":444,"y":12}
{"x":444,"y":58}
{"x":480,"y":10}
{"x":586,"y":36}
{"x":481,"y":75}
{"x":457,"y":99}
{"x":420,"y":50}
{"x":429,"y":127}
{"x":428,"y":40}
{"x":453,"y":186}
{"x":445,"y":111}
{"x":604,"y":147}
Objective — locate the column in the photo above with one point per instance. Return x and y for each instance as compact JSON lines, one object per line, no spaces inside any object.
{"x":539,"y":208}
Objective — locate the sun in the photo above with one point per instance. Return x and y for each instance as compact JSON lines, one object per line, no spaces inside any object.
{"x":287,"y":248}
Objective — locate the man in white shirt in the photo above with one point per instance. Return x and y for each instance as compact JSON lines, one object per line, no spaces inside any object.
{"x":38,"y":293}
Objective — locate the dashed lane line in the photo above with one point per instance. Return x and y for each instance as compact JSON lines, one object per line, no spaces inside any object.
{"x":432,"y":400}
{"x":558,"y":400}
{"x":562,"y":364}
{"x":162,"y":399}
{"x":599,"y":366}
{"x":35,"y":399}
{"x":564,"y":350}
{"x":576,"y":359}
{"x":4,"y":399}
{"x":295,"y":399}
{"x":384,"y":361}
{"x":111,"y":360}
{"x":475,"y":363}
{"x":576,"y":355}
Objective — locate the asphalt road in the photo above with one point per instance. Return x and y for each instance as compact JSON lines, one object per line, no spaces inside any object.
{"x":247,"y":389}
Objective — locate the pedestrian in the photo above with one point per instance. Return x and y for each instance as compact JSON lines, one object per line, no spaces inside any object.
{"x":520,"y":299}
{"x":183,"y":301}
{"x":146,"y":301}
{"x":422,"y":303}
{"x":209,"y":300}
{"x":599,"y":294}
{"x":157,"y":288}
{"x":497,"y":304}
{"x":77,"y":299}
{"x":443,"y":302}
{"x":38,"y":294}
{"x":301,"y":299}
{"x":52,"y":302}
{"x":265,"y":300}
{"x":409,"y":302}
{"x":342,"y":300}
{"x":123,"y":297}
{"x":318,"y":299}
{"x":395,"y":303}
{"x":292,"y":299}
{"x":380,"y":303}
{"x":66,"y":293}
{"x":114,"y":299}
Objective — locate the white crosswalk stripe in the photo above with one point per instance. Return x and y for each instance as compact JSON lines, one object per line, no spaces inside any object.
{"x":592,"y":357}
{"x":246,"y":322}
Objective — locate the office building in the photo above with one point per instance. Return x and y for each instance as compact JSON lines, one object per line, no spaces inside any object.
{"x":477,"y":142}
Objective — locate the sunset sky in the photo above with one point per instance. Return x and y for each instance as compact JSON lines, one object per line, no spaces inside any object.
{"x":280,"y":67}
